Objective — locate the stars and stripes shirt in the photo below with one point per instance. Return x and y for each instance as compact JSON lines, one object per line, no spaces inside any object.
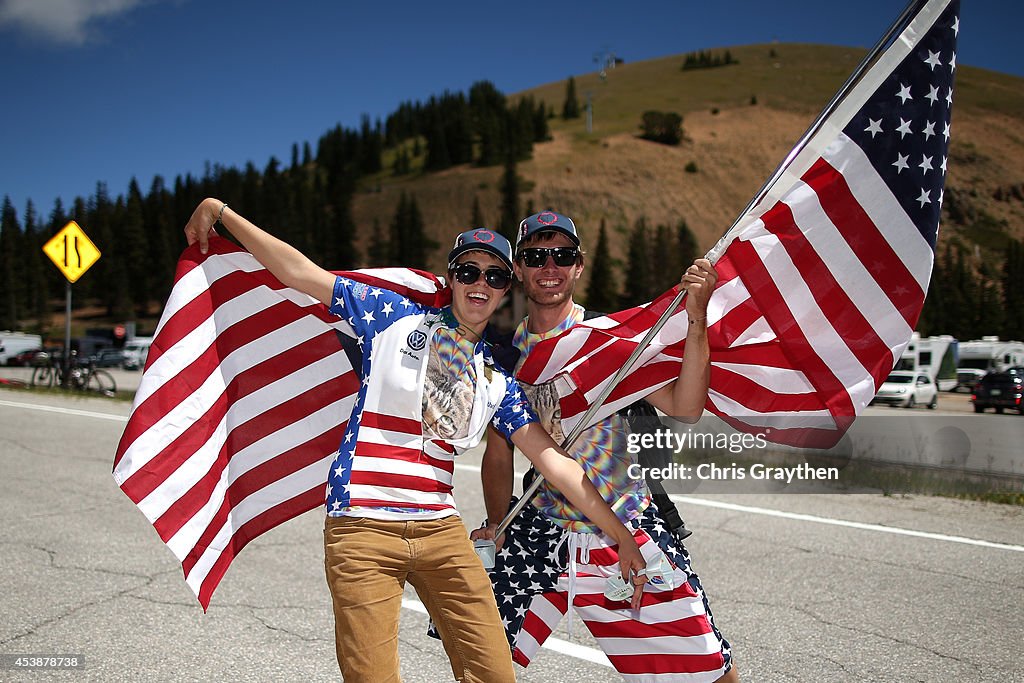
{"x":387,"y":467}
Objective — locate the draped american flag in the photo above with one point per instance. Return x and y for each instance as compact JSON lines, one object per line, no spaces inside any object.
{"x":822,"y":282}
{"x":248,"y":385}
{"x":242,"y":406}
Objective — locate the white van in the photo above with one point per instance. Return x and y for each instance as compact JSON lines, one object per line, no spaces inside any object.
{"x":13,"y":343}
{"x":135,"y":353}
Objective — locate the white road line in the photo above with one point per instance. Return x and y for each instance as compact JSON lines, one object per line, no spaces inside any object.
{"x":557,"y":644}
{"x":821,"y":520}
{"x":65,"y":411}
{"x":843,"y":522}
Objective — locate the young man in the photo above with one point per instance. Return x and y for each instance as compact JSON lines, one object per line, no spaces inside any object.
{"x":551,"y":556}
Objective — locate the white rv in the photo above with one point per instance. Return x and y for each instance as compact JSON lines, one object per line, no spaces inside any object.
{"x":13,"y":343}
{"x":935,"y":356}
{"x":939,"y":358}
{"x":910,"y":359}
{"x":988,"y":354}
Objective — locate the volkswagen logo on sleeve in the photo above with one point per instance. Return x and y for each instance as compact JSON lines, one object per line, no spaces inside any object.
{"x":416,"y":340}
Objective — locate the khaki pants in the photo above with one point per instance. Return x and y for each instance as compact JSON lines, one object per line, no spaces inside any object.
{"x":368,"y":562}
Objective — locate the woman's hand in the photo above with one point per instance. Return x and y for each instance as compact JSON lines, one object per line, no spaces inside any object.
{"x":200,"y":225}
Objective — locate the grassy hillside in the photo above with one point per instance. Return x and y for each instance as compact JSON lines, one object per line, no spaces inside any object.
{"x":611,"y":174}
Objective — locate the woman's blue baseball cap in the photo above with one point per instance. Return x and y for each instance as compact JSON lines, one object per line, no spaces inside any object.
{"x":481,"y":239}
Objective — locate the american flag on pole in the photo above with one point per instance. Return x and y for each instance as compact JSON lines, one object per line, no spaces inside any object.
{"x":242,"y":406}
{"x":822,"y":281}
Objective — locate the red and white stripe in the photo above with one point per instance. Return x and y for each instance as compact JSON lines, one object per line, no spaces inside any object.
{"x":670,"y":639}
{"x":390,"y":469}
{"x":241,"y":408}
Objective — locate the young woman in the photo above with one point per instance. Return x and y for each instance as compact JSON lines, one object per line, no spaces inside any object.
{"x":429,"y":391}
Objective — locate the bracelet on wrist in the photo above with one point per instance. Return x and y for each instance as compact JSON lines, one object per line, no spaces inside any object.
{"x":694,"y":321}
{"x":220,"y":214}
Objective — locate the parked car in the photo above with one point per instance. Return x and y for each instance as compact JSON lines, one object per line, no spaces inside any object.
{"x":25,"y":358}
{"x":999,"y":391}
{"x":907,"y":389}
{"x":967,"y":379}
{"x":108,"y":358}
{"x":136,"y":351}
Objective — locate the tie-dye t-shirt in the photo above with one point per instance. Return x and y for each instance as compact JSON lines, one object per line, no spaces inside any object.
{"x":600,"y":450}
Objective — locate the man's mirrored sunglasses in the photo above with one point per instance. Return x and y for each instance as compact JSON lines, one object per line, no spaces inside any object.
{"x":468,"y":273}
{"x":535,"y":257}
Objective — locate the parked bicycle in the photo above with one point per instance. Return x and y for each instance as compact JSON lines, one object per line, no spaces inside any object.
{"x":81,"y":377}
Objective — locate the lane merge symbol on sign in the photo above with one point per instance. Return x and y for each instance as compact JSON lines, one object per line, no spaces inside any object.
{"x":72,"y":251}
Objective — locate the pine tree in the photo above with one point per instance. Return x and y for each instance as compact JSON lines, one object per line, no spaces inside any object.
{"x":34,"y":270}
{"x":275,"y":203}
{"x":541,"y":131}
{"x":108,"y":279}
{"x":639,"y":286}
{"x":371,"y":146}
{"x":133,"y":246}
{"x":10,"y":284}
{"x":163,"y":252}
{"x":1013,"y":292}
{"x":476,"y":220}
{"x":487,"y":107}
{"x":54,"y":280}
{"x":602,"y":294}
{"x":571,"y":106}
{"x":438,"y":157}
{"x":686,"y":243}
{"x":665,"y":253}
{"x":410,"y":245}
{"x":990,"y":315}
{"x":402,"y":164}
{"x":964,"y":300}
{"x":379,"y":251}
{"x":509,"y":210}
{"x":341,"y":227}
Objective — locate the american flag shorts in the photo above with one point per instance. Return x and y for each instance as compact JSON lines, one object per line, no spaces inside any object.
{"x":672,"y":638}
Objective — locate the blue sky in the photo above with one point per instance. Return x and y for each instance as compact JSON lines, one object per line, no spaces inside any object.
{"x":111,"y":89}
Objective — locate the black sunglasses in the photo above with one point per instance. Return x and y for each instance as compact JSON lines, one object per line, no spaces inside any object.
{"x":535,"y":257}
{"x":496,"y":278}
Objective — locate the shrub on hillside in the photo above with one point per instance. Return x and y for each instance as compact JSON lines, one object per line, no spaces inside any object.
{"x":665,"y":127}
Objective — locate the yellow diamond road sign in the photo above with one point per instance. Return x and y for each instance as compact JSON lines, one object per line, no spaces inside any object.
{"x":72,"y":251}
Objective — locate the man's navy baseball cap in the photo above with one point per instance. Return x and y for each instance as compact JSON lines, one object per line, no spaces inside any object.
{"x":547,"y":221}
{"x":481,"y":239}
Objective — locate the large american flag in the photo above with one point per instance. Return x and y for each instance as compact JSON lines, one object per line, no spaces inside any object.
{"x":822,"y":282}
{"x":248,"y":385}
{"x":243,"y":403}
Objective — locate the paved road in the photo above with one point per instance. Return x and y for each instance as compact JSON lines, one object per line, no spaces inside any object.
{"x":807,"y":587}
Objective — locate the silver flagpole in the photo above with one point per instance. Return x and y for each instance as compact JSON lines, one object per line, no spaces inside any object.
{"x":716,"y":251}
